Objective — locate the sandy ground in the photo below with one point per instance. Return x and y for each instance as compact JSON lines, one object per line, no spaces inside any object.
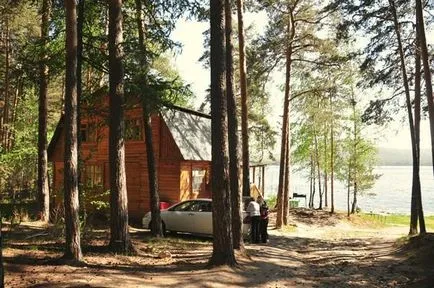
{"x":318,"y":251}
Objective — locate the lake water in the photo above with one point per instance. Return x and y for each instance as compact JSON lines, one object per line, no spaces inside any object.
{"x":390,"y":194}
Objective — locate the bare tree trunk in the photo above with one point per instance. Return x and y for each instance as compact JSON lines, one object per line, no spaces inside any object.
{"x":426,"y":69}
{"x":234,"y":162}
{"x":5,"y":131}
{"x":43,"y":187}
{"x":332,"y":159}
{"x":244,"y":110}
{"x":72,"y":224}
{"x":223,"y":250}
{"x":325,"y":171}
{"x":285,"y":125}
{"x":2,"y":270}
{"x":355,"y":139}
{"x":354,"y":204}
{"x":156,"y":224}
{"x":318,"y":168}
{"x":120,"y":241}
{"x":18,"y":92}
{"x":281,"y":186}
{"x":416,"y":163}
{"x":286,"y":186}
{"x":313,"y":184}
{"x":311,"y":176}
{"x":80,"y":20}
{"x":413,"y":230}
{"x":348,"y":188}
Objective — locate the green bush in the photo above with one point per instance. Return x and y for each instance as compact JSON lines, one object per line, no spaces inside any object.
{"x":271,"y":201}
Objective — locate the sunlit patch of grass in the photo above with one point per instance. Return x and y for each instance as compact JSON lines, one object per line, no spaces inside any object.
{"x":289,"y":228}
{"x":369,"y":220}
{"x":382,"y":220}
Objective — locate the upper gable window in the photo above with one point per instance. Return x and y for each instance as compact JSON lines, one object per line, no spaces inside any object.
{"x":133,"y":129}
{"x":88,"y":133}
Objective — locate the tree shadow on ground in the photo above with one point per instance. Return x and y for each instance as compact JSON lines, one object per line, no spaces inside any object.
{"x":285,"y":260}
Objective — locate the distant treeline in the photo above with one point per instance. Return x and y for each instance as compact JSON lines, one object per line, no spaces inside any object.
{"x":401,"y":157}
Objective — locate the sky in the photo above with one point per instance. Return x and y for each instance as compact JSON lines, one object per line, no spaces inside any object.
{"x":190,"y":35}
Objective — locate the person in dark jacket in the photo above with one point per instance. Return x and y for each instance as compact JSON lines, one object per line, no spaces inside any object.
{"x":263,"y":223}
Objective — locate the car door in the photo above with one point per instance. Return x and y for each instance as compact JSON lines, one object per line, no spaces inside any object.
{"x":178,"y":218}
{"x":202,"y":217}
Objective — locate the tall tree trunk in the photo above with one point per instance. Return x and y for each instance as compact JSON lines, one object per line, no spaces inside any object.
{"x":355,"y":140}
{"x":286,"y":187}
{"x":43,"y":187}
{"x":281,"y":185}
{"x":19,"y":90}
{"x":244,"y":110}
{"x":332,"y":159}
{"x":408,"y":103}
{"x":5,"y":131}
{"x":312,"y":204}
{"x":2,"y":270}
{"x":234,"y":161}
{"x":354,"y":204}
{"x":80,"y":20}
{"x":311,"y":177}
{"x":416,"y":165}
{"x":223,"y":249}
{"x":348,"y":188}
{"x":426,"y":69}
{"x":325,"y":172}
{"x":285,"y":125}
{"x":318,"y":168}
{"x":120,"y":241}
{"x":156,"y":224}
{"x":72,"y":224}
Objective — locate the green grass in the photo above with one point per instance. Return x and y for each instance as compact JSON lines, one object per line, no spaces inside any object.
{"x":289,"y":228}
{"x":395,"y":220}
{"x":271,"y":201}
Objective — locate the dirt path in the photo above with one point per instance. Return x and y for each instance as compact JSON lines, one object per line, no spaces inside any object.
{"x":340,"y":255}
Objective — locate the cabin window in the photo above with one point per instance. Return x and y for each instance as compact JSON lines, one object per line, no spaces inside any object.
{"x":133,"y":129}
{"x":198,"y":181}
{"x":87,"y":133}
{"x":94,"y":175}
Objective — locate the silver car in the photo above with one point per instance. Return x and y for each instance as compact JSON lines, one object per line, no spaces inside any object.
{"x":190,"y":216}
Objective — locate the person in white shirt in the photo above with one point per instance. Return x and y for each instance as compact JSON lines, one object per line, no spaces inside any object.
{"x":254,"y":212}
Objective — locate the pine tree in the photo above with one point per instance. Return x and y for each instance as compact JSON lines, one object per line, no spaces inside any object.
{"x":120,"y":241}
{"x":223,"y":252}
{"x":72,"y":224}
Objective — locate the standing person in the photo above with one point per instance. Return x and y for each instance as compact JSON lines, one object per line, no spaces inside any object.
{"x":254,"y":212}
{"x":263,"y":222}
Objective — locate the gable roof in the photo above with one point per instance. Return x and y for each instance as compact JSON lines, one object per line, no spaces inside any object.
{"x":191,"y":131}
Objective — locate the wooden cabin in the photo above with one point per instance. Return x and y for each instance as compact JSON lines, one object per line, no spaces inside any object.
{"x":182,"y":147}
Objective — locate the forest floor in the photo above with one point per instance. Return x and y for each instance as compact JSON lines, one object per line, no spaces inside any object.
{"x":317,"y":250}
